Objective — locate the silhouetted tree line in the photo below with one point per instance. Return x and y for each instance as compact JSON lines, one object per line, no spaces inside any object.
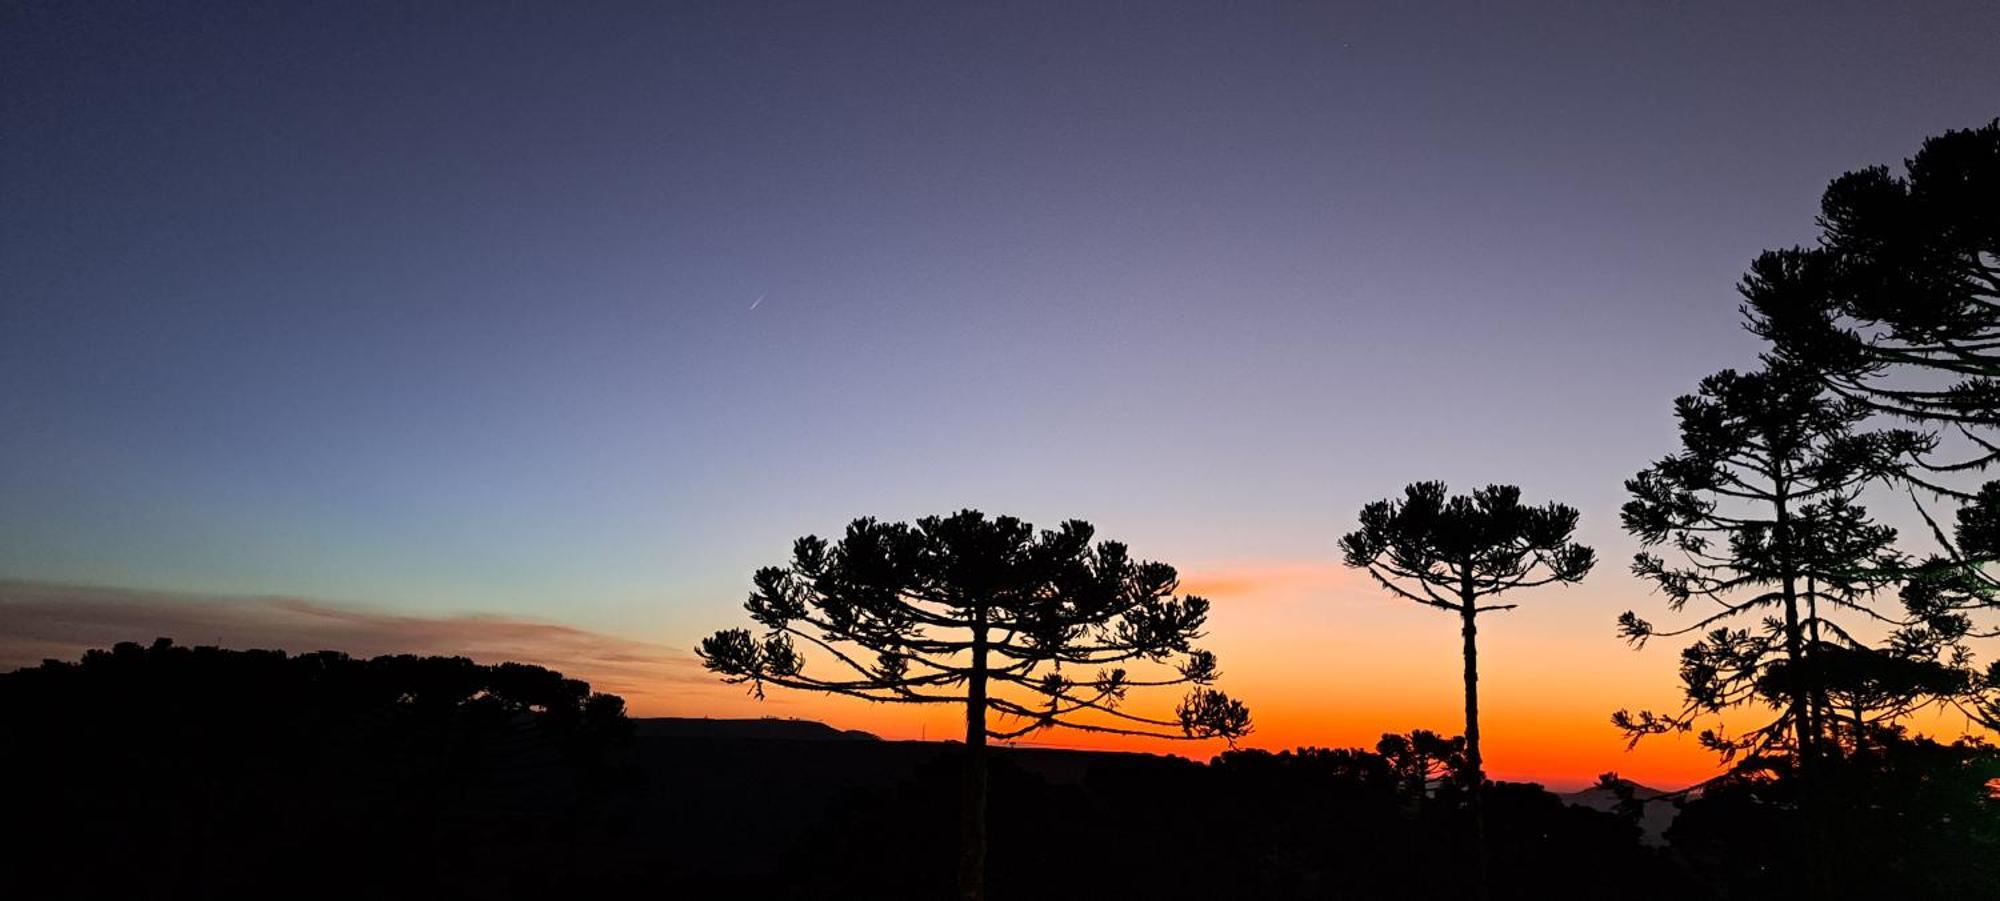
{"x":1382,"y":823}
{"x":174,"y":772}
{"x":1905,"y":818}
{"x":165,"y":771}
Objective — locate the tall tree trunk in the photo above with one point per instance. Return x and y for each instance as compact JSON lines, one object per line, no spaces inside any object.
{"x":1799,"y":687}
{"x":1470,"y":630}
{"x":972,"y":801}
{"x":1823,"y":727}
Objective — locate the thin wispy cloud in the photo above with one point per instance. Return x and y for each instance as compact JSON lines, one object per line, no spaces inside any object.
{"x":1264,"y":582}
{"x":40,"y":620}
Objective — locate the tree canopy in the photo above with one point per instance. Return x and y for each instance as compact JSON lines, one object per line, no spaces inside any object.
{"x":922,"y":613}
{"x":1453,"y":552}
{"x":1897,"y":306}
{"x":1042,"y":629}
{"x":1760,"y":512}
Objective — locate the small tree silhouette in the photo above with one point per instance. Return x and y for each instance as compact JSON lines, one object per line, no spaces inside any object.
{"x":991,"y":616}
{"x":1454,"y":553}
{"x":1425,"y":762}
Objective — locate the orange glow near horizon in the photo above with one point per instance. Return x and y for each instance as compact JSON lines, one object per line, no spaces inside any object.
{"x":1322,"y":656}
{"x":1325,"y":658}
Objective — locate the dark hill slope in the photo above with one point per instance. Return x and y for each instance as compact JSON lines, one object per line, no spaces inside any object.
{"x":763,"y":728}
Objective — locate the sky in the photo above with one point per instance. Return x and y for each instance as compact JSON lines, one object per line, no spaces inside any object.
{"x":483,"y":327}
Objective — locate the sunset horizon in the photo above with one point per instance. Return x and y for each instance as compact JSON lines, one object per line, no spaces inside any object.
{"x":1566,"y":746}
{"x":1290,"y":450}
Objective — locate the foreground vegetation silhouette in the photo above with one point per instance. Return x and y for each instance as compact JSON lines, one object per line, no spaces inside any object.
{"x":1896,"y":310}
{"x":1897,"y":305}
{"x":990,"y":616}
{"x":1891,"y":318}
{"x":1760,"y":509}
{"x":171,"y":772}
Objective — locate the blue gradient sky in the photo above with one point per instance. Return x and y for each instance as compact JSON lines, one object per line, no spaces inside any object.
{"x":448,"y":308}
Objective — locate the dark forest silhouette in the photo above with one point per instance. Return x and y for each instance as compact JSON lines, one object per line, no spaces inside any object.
{"x":162,"y":771}
{"x":172,"y":772}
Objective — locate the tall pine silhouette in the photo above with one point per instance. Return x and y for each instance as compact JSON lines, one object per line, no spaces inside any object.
{"x":1457,"y":553}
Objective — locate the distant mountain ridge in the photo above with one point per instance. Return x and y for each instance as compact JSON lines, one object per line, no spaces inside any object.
{"x":1654,"y":817}
{"x":760,"y":728}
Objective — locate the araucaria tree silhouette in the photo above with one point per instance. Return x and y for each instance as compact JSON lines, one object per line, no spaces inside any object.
{"x":1038,"y":628}
{"x":1897,"y":306}
{"x":1457,"y":553}
{"x":1759,"y":508}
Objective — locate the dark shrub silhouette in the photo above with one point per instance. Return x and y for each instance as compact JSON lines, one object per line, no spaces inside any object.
{"x":1906,"y":818}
